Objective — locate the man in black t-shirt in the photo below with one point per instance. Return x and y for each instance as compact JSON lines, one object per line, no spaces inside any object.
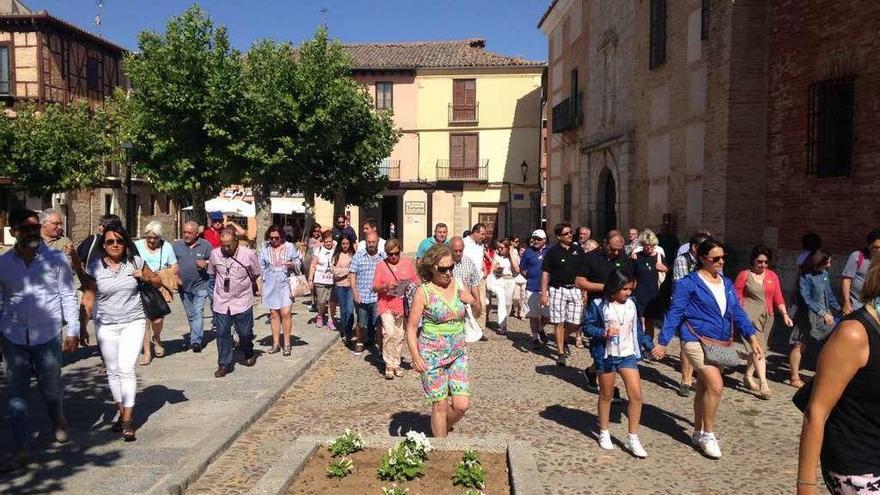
{"x":558,"y":290}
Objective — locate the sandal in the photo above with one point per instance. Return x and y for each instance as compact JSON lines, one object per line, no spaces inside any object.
{"x":274,"y":349}
{"x":158,"y":350}
{"x":128,"y":431}
{"x":117,"y":427}
{"x":286,"y":351}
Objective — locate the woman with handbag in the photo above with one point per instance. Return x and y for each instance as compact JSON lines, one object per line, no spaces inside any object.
{"x":816,"y":309}
{"x":842,"y":404}
{"x":391,"y":281}
{"x":705,"y":309}
{"x":278,"y":259}
{"x":159,"y":256}
{"x":112,"y":296}
{"x":341,"y":263}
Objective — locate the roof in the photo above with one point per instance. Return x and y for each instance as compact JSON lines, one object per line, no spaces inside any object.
{"x":15,"y":12}
{"x":430,"y":54}
{"x":547,"y":13}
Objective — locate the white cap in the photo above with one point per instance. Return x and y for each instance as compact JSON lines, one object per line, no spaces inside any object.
{"x":539,"y":234}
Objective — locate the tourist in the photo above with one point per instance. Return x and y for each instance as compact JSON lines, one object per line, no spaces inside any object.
{"x":687,"y":246}
{"x":592,"y":270}
{"x":530,"y":268}
{"x":159,"y":256}
{"x":321,"y":278}
{"x":683,"y":265}
{"x":704,"y":309}
{"x":90,"y":248}
{"x":759,"y":291}
{"x":368,"y":227}
{"x":647,"y":267}
{"x":853,"y":277}
{"x":467,"y":274}
{"x":278,"y":260}
{"x":341,"y":230}
{"x":558,"y":289}
{"x":237,"y":269}
{"x":52,"y":230}
{"x":584,"y":235}
{"x":516,"y":251}
{"x":192,"y":254}
{"x":315,"y":238}
{"x":809,"y":242}
{"x":841,"y":425}
{"x":474,"y":249}
{"x":36,"y":296}
{"x":439,"y":352}
{"x":391,"y":282}
{"x":668,"y":240}
{"x":816,"y":309}
{"x":361,"y":273}
{"x":441,"y":232}
{"x":212,"y":233}
{"x":591,"y":245}
{"x":112,"y":298}
{"x":500,"y":282}
{"x":341,"y":264}
{"x":632,"y":241}
{"x":616,"y":336}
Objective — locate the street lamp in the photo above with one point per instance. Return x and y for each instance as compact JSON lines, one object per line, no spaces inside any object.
{"x":129,"y":214}
{"x":525,"y":171}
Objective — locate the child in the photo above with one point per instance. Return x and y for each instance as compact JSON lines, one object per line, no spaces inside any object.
{"x":616,"y":337}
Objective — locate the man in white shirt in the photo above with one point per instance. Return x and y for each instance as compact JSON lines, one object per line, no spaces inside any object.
{"x":370,"y":226}
{"x":474,"y":251}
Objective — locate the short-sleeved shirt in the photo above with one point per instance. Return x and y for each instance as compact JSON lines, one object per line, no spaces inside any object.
{"x":117,"y":299}
{"x":405,"y":271}
{"x":344,"y":233}
{"x":90,"y":249}
{"x":856,"y":269}
{"x":530,"y":263}
{"x":364,"y":268}
{"x":362,"y":246}
{"x":157,"y":260}
{"x":467,"y":273}
{"x":562,"y":265}
{"x":475,"y":252}
{"x":427,"y":244}
{"x":212,"y":236}
{"x":194,"y":278}
{"x":240,"y":269}
{"x":59,"y":243}
{"x":596,"y":267}
{"x":647,"y":277}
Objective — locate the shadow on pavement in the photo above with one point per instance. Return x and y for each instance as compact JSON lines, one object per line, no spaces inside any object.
{"x":404,"y":421}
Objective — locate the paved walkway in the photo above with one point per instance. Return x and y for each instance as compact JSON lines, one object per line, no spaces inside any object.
{"x":521,"y":394}
{"x":181,"y":410}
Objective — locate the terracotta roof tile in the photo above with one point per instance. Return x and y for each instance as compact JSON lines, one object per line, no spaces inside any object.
{"x":430,"y":54}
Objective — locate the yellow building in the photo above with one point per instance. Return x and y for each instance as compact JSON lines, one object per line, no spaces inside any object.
{"x":470,"y":150}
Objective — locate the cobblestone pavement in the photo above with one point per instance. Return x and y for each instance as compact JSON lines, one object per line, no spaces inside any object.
{"x":521,"y":394}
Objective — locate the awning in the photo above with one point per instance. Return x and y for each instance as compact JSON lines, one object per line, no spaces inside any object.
{"x":235,"y":207}
{"x":288,"y":206}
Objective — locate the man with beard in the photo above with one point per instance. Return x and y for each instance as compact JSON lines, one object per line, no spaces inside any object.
{"x":36,"y":296}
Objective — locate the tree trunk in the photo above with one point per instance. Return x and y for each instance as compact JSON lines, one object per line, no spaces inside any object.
{"x":338,"y":204}
{"x":310,"y":214}
{"x":263,"y":209}
{"x":199,"y":213}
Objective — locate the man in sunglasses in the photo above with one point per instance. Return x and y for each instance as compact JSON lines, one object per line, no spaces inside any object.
{"x":36,"y":295}
{"x":530,"y":267}
{"x":558,"y":290}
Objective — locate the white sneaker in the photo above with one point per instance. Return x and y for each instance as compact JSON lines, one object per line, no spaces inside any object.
{"x":696,"y":436}
{"x":709,"y":445}
{"x":635,"y":446}
{"x":605,"y":440}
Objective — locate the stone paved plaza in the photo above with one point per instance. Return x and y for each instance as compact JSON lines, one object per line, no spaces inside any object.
{"x":521,"y":394}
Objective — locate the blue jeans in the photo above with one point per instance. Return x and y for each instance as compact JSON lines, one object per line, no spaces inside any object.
{"x":345,"y":301}
{"x":244,"y":326}
{"x":194,"y":305}
{"x":367,"y":317}
{"x":45,"y":360}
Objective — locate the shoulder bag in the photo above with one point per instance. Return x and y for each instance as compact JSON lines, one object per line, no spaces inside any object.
{"x":297,"y":283}
{"x":254,"y":288}
{"x":718,"y":353}
{"x":154,"y":303}
{"x":168,"y":278}
{"x":407,"y":294}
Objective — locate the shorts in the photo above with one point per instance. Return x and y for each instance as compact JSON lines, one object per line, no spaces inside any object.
{"x":533,"y":304}
{"x":566,"y":305}
{"x":612,"y":364}
{"x":322,"y":293}
{"x":447,"y":359}
{"x":694,"y":353}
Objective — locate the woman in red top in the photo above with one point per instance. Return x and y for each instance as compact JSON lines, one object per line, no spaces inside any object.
{"x":759,"y":291}
{"x":391,"y":281}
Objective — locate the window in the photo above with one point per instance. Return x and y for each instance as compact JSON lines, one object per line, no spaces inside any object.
{"x":704,"y":18}
{"x":152,"y":208}
{"x":108,"y":204}
{"x":168,"y":204}
{"x":464,"y":100}
{"x":566,"y":201}
{"x":384,"y":95}
{"x":830,"y":127}
{"x":92,"y":74}
{"x":464,"y":153}
{"x":574,"y":84}
{"x":657,"y":55}
{"x":5,"y":79}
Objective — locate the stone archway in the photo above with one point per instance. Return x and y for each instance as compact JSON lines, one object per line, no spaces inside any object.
{"x":606,"y":203}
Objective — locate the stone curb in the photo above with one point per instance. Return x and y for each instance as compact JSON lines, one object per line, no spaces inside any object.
{"x":196,"y":461}
{"x":521,"y":463}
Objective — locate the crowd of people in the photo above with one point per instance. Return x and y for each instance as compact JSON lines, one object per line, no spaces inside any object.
{"x":625,"y":299}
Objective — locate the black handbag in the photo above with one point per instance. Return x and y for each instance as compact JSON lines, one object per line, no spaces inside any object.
{"x":153,"y":301}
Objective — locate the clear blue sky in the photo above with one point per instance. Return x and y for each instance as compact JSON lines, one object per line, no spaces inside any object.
{"x":507,"y":25}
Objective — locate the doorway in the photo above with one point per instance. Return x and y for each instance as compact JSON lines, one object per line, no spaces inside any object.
{"x":606,"y":203}
{"x":390,"y":224}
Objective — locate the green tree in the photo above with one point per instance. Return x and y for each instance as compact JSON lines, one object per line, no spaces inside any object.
{"x":186,"y":88}
{"x":54,"y":150}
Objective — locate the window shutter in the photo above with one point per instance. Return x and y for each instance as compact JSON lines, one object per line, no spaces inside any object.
{"x":456,"y":151}
{"x":458,"y":92}
{"x":471,"y":155}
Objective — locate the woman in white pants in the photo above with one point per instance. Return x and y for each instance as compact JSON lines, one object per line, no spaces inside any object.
{"x":502,"y":284}
{"x":112,"y":299}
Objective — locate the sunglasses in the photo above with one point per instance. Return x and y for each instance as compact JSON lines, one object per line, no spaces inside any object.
{"x":113,"y":242}
{"x":716,"y":259}
{"x":394,"y":253}
{"x":443,"y":270}
{"x":567,"y":232}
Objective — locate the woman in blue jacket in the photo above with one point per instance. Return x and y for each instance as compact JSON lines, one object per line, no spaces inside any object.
{"x":705,"y":309}
{"x":817,"y":306}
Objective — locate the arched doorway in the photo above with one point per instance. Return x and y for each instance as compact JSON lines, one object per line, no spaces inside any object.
{"x":606,"y":203}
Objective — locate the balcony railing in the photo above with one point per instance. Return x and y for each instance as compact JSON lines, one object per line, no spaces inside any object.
{"x":567,"y":115}
{"x":463,"y":170}
{"x":464,"y":114}
{"x":390,"y":169}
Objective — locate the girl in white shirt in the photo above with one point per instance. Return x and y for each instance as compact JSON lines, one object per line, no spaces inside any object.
{"x":501,"y":282}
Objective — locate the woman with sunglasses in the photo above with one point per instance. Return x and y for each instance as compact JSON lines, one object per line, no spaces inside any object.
{"x":705,"y":309}
{"x":278,"y":259}
{"x":439,"y":352}
{"x":816,"y":310}
{"x":759,"y":292}
{"x":391,"y":283}
{"x":111,"y":297}
{"x":158,"y":255}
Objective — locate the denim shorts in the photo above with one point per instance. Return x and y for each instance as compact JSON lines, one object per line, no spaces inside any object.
{"x":612,"y":364}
